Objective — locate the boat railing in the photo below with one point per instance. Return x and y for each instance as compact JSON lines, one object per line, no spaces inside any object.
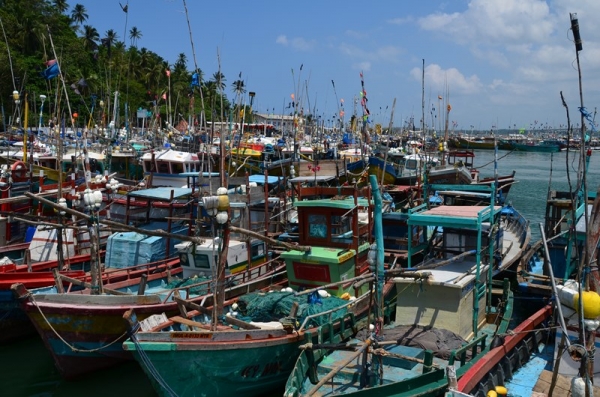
{"x":330,"y":312}
{"x":254,"y":274}
{"x":460,"y":355}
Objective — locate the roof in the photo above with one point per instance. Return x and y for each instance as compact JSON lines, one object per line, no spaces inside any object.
{"x":161,"y":193}
{"x":318,"y":178}
{"x":453,"y":215}
{"x":197,"y":174}
{"x":346,"y":204}
{"x":261,"y":179}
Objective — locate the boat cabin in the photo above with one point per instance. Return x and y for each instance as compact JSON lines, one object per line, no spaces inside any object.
{"x":202,"y":259}
{"x":339,"y":234}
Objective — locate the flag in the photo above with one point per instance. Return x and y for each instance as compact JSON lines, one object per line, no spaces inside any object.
{"x":124,"y":8}
{"x":51,"y":71}
{"x":164,"y":95}
{"x":168,"y":72}
{"x":74,"y":87}
{"x":440,"y":97}
{"x":195,"y":81}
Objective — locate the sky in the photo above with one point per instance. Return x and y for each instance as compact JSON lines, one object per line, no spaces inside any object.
{"x":497,"y":63}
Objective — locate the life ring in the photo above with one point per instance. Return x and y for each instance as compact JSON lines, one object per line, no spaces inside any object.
{"x":18,"y":171}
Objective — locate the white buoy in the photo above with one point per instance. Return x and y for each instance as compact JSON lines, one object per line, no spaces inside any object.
{"x":578,"y":387}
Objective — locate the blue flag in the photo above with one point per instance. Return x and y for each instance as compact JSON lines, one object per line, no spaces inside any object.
{"x":51,"y":71}
{"x":195,"y":81}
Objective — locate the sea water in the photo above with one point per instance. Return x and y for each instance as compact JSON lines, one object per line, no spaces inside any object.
{"x":27,"y":369}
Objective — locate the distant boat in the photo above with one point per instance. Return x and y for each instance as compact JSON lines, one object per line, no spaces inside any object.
{"x":531,"y":145}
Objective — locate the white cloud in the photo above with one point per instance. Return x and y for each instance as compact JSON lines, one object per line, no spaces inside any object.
{"x":401,"y":21}
{"x":297,"y":43}
{"x":282,"y":39}
{"x":452,"y":79}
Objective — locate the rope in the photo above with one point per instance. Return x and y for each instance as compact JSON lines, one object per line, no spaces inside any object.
{"x":148,"y":364}
{"x":73,"y":348}
{"x":512,"y":333}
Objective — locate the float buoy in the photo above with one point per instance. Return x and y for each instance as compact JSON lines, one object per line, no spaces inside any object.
{"x":18,"y":171}
{"x":591,"y":304}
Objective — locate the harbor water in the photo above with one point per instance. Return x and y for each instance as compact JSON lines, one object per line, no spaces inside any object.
{"x":26,"y":367}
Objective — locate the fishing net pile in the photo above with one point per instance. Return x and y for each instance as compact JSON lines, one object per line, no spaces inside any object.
{"x":273,"y":306}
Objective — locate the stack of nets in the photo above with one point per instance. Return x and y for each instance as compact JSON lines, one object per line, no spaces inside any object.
{"x":273,"y":306}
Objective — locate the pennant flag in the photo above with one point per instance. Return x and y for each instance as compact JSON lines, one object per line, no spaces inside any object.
{"x":124,"y":8}
{"x":195,"y":81}
{"x":74,"y":87}
{"x":164,"y":95}
{"x":82,"y":82}
{"x":168,"y":72}
{"x":51,"y":71}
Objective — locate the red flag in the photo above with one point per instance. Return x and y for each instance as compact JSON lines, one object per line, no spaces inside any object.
{"x":164,"y":95}
{"x":168,"y":73}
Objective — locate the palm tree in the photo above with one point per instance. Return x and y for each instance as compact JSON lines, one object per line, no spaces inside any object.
{"x":79,"y":14}
{"x":61,"y":5}
{"x":239,"y":89}
{"x":109,"y":40}
{"x":134,"y":35}
{"x":181,"y":60}
{"x":90,"y":37}
{"x":219,"y":79}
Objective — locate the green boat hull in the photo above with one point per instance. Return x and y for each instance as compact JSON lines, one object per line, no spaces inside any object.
{"x":225,"y":372}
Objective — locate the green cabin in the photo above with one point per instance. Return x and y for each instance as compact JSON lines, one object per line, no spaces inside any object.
{"x":339,"y":234}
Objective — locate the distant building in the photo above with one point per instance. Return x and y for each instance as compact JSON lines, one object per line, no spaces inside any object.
{"x":280,"y":122}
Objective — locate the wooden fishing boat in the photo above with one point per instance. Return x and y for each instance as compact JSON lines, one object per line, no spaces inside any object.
{"x":84,"y":330}
{"x":239,"y":356}
{"x":506,"y":362}
{"x":456,"y":307}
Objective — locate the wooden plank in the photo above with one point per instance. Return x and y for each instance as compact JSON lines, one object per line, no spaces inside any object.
{"x":190,"y":323}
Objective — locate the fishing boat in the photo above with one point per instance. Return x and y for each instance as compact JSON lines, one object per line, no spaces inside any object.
{"x":448,"y":319}
{"x":252,"y":355}
{"x":532,"y":145}
{"x":514,"y":363}
{"x":485,"y":142}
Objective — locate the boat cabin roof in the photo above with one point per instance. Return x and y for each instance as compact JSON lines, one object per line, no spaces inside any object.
{"x":161,"y":193}
{"x":454,"y":215}
{"x":317,"y":178}
{"x":260,"y":179}
{"x":346,"y":204}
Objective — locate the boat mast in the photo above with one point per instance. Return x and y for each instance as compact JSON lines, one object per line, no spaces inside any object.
{"x":422,"y":98}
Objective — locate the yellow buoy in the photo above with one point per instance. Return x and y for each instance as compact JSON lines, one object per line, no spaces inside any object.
{"x":501,"y":391}
{"x":492,"y":393}
{"x":591,"y":304}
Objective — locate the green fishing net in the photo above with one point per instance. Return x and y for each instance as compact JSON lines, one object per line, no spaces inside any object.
{"x":273,"y":306}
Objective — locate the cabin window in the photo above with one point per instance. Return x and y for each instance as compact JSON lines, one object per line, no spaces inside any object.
{"x":317,"y":226}
{"x":163,"y":168}
{"x":341,"y":229}
{"x":258,"y":251}
{"x":148,"y":166}
{"x":202,"y":261}
{"x":177,"y":168}
{"x":411,"y":164}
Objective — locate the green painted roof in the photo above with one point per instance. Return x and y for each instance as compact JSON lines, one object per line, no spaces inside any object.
{"x":346,"y":204}
{"x":320,"y":255}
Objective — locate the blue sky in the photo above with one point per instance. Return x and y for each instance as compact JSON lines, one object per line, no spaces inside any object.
{"x":496,"y":62}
